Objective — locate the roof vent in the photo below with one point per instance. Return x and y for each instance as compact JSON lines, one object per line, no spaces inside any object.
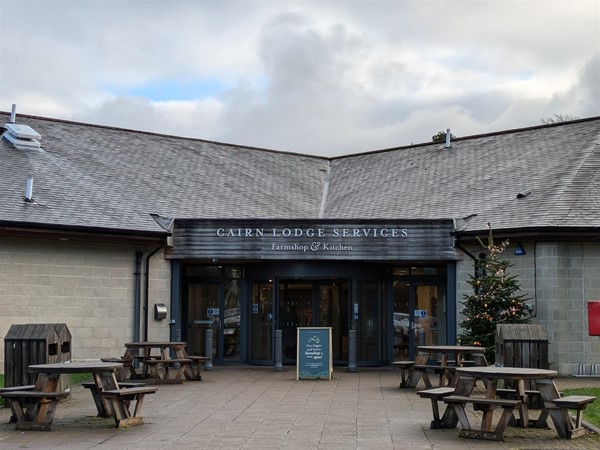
{"x":22,"y":137}
{"x":448,"y":137}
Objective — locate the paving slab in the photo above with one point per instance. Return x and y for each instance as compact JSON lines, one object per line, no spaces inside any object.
{"x":246,"y":407}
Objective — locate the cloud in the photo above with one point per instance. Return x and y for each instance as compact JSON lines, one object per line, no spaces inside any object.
{"x":325,"y":78}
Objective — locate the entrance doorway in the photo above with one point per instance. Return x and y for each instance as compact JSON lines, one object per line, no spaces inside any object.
{"x":419,"y":317}
{"x":308,"y":303}
{"x":215,"y":306}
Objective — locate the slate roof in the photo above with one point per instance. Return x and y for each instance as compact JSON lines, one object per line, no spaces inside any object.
{"x":113,"y":179}
{"x":479,"y":177}
{"x":91,"y":176}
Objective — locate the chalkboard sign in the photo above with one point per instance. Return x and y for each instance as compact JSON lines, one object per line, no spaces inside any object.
{"x":314,"y":359}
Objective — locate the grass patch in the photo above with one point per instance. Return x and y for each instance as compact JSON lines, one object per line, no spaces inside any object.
{"x":591,"y":414}
{"x":78,"y":378}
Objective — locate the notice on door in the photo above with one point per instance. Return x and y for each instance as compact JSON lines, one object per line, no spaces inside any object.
{"x":314,"y":358}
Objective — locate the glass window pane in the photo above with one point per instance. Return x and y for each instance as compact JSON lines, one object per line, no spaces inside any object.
{"x":203,"y":313}
{"x":368,"y":324}
{"x":261,"y":322}
{"x":231,"y":320}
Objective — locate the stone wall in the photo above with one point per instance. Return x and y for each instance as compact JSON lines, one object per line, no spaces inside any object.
{"x":560,"y":278}
{"x":90,"y":287}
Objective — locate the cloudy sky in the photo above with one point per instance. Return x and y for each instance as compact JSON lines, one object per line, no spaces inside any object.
{"x":317,"y":77}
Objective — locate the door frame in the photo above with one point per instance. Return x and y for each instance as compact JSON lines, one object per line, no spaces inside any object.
{"x":218,"y":332}
{"x":315,"y":319}
{"x":413,"y":282}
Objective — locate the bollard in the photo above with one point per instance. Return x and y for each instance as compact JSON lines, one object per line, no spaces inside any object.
{"x":278,"y":347}
{"x":209,"y":349}
{"x":422,"y":337}
{"x":352,"y":351}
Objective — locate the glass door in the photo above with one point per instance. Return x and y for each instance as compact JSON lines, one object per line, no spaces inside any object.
{"x":332,"y":311}
{"x":295,"y":310}
{"x":215,"y":305}
{"x":231,"y":316}
{"x":368,"y":323}
{"x":261,"y":322}
{"x":313,"y":304}
{"x":419,"y":317}
{"x":204,"y":300}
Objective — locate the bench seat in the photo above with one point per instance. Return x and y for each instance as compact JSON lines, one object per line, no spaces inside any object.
{"x":436,"y":395}
{"x":120,"y":400}
{"x":487,"y":405}
{"x":579,"y":403}
{"x":129,"y":392}
{"x":483,"y":401}
{"x":574,"y":401}
{"x":22,"y":401}
{"x":435,"y":367}
{"x":28,"y":387}
{"x":406,"y":370}
{"x":153,"y":366}
{"x":197,"y":363}
{"x":102,"y":412}
{"x":166,"y":361}
{"x":122,"y":384}
{"x":33,"y":395}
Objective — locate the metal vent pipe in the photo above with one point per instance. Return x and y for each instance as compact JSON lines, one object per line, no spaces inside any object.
{"x":448,"y":135}
{"x":29,"y":190}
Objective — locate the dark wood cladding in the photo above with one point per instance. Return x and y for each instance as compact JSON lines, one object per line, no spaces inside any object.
{"x":312,"y":240}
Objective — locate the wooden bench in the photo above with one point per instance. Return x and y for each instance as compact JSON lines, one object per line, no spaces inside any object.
{"x":127,"y":368}
{"x":196,"y":367}
{"x":120,"y":400}
{"x":407,"y":369}
{"x":98,"y":399}
{"x":436,"y":395}
{"x":487,"y":405}
{"x":579,"y":403}
{"x":31,"y":409}
{"x":541,"y":422}
{"x":122,"y":384}
{"x":443,"y":371}
{"x":28,"y":387}
{"x":155,"y":365}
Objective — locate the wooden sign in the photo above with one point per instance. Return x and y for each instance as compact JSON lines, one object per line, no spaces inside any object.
{"x":313,"y":240}
{"x":314,"y":359}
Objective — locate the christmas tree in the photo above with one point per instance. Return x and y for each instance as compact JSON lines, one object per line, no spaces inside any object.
{"x":495,"y":299}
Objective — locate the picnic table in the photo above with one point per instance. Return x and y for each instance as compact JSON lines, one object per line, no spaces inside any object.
{"x":34,"y":406}
{"x":555,"y":406}
{"x":444,"y":366}
{"x":158,"y":365}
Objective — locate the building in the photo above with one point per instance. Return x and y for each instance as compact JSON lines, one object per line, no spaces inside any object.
{"x":125,"y":235}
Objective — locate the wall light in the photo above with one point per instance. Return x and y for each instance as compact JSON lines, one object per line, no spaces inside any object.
{"x":519,"y":250}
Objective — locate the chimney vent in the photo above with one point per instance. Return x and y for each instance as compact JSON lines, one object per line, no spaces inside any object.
{"x":22,"y":137}
{"x":13,"y":113}
{"x":448,"y":134}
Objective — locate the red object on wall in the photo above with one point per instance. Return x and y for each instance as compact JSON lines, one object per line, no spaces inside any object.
{"x":594,"y":318}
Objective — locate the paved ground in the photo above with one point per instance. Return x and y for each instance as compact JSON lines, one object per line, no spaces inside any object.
{"x":249,"y":407}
